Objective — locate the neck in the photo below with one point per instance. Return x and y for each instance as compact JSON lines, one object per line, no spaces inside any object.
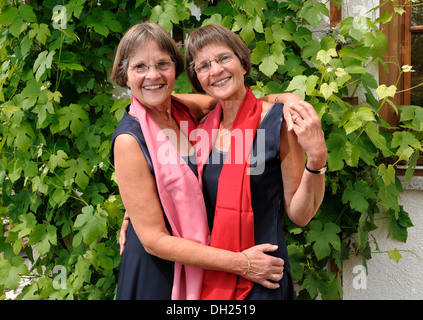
{"x":161,"y":112}
{"x":230,"y":108}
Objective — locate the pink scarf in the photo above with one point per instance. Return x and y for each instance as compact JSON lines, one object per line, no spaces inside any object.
{"x":180,"y":194}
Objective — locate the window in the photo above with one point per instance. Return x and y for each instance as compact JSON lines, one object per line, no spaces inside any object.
{"x":415,"y":36}
{"x":405,"y":47}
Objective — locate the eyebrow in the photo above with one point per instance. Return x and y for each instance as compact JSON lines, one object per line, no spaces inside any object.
{"x":217,"y":56}
{"x":143,"y":62}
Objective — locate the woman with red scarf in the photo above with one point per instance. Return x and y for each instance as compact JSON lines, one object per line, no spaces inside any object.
{"x":168,"y":235}
{"x":250,"y":182}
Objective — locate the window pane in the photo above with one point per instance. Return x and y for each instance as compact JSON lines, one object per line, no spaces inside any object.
{"x":417,"y":15}
{"x":417,"y":55}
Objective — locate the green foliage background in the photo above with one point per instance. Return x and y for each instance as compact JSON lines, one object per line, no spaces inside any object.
{"x":57,"y":113}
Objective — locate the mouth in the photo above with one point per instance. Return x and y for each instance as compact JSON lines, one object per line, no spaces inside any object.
{"x":221,"y":82}
{"x":153,"y":87}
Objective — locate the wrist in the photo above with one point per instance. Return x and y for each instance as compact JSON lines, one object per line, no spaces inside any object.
{"x":246,"y":264}
{"x":322,"y":170}
{"x":317,"y":160}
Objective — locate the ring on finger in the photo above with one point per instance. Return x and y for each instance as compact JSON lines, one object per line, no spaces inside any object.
{"x":273,"y":277}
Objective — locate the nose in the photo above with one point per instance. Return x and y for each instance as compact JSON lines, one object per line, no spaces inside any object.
{"x":152,"y":72}
{"x":215,"y":68}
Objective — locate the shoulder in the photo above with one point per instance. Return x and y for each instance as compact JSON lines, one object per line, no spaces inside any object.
{"x":125,"y":140}
{"x":275,"y":110}
{"x":129,"y":127}
{"x":128,"y":136}
{"x":128,"y":124}
{"x":129,"y":156}
{"x":266,"y":106}
{"x":125,"y":144}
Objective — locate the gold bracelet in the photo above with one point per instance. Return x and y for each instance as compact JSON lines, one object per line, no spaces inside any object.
{"x":248,"y":265}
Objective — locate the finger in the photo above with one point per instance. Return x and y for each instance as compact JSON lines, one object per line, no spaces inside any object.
{"x":306,"y":110}
{"x":275,"y":277}
{"x":288,"y":118}
{"x":122,"y":242}
{"x":300,"y":109}
{"x":122,"y":247}
{"x":269,"y":284}
{"x":267,"y":247}
{"x":297,"y":119}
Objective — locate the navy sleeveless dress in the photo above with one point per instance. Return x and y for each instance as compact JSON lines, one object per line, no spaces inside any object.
{"x":142,"y":276}
{"x":267,"y":198}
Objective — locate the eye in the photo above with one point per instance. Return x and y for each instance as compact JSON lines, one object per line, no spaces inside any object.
{"x":141,"y":67}
{"x":202,"y":67}
{"x":163,"y":65}
{"x":224,"y":59}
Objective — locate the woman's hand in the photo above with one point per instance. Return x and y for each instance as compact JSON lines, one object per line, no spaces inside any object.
{"x":303,"y":190}
{"x":308,"y":128}
{"x":123,"y":230}
{"x":265,"y":269}
{"x":288,"y":100}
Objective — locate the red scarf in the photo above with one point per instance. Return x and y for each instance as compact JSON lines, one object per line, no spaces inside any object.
{"x":233,"y":227}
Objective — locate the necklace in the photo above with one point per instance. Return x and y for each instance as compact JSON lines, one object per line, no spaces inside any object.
{"x":225,"y":130}
{"x":173,"y":126}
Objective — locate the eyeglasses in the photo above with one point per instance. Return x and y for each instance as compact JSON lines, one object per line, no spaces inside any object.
{"x":160,"y":67}
{"x":205,"y":66}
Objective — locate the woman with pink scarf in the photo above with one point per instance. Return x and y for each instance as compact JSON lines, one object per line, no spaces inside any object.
{"x":167,"y":247}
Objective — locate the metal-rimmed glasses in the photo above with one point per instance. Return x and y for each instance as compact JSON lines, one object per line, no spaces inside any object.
{"x":161,"y":66}
{"x":204,"y":66}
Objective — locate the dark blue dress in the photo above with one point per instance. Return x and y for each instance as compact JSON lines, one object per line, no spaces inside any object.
{"x":267,"y":198}
{"x":142,"y":276}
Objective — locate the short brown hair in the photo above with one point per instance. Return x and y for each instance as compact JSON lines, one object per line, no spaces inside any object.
{"x":133,"y":39}
{"x":211,"y":34}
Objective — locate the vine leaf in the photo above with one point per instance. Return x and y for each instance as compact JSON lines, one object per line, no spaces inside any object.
{"x":313,"y":12}
{"x":43,"y":63}
{"x":384,"y":92}
{"x":357,"y":195}
{"x":394,"y":255}
{"x":323,"y":237}
{"x":44,"y":237}
{"x":10,"y":272}
{"x":91,"y":224}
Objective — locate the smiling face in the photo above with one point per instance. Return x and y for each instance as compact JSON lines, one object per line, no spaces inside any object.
{"x":152,"y":88}
{"x":223,"y":80}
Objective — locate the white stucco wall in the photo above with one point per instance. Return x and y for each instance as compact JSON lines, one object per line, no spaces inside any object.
{"x":386,"y":279}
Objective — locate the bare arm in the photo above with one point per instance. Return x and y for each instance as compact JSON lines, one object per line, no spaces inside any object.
{"x":303,"y":191}
{"x":200,"y":104}
{"x":144,"y":210}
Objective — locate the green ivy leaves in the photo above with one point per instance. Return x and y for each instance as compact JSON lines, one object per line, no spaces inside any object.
{"x":92,"y":226}
{"x":323,"y":237}
{"x":11,"y":271}
{"x":58,"y":112}
{"x":170,"y":13}
{"x":313,"y":12}
{"x":103,"y":22}
{"x":268,"y":57}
